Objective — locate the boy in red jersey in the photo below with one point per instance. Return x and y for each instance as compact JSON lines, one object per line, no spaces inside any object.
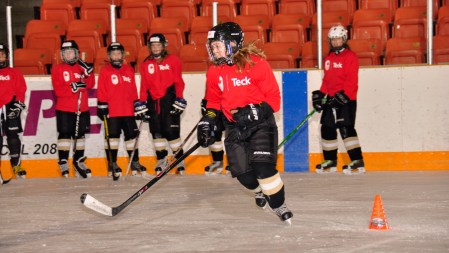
{"x":337,"y":98}
{"x":242,"y":86}
{"x":162,"y":87}
{"x":118,"y":102}
{"x":71,"y":81}
{"x":12,"y":97}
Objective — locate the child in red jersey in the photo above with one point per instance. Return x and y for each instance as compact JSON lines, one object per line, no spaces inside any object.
{"x":337,"y":98}
{"x":241,"y":85}
{"x":162,"y":87}
{"x":71,"y":81}
{"x":118,"y":102}
{"x":12,"y":97}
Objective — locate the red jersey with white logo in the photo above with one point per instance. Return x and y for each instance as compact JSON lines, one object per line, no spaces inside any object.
{"x":226,"y":89}
{"x":156,"y":77}
{"x":341,"y":73}
{"x":117,"y":87}
{"x":12,"y":83}
{"x":62,"y":75}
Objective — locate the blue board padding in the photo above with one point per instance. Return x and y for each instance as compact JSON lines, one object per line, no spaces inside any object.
{"x":294,"y":95}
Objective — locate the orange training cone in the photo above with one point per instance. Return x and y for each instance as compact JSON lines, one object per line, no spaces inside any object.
{"x":378,"y":219}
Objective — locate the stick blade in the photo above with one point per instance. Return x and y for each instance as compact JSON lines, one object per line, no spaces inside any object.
{"x":92,"y":203}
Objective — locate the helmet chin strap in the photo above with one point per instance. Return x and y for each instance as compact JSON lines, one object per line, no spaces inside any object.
{"x":338,"y":50}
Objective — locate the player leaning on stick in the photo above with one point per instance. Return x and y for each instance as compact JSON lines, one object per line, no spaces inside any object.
{"x":162,"y":87}
{"x":118,"y":101}
{"x":12,"y":97}
{"x":242,"y":86}
{"x":71,"y":81}
{"x":337,"y":98}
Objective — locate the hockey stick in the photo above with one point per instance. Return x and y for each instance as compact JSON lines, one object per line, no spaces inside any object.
{"x":297,"y":128}
{"x":82,"y":173}
{"x":92,"y":203}
{"x":134,"y":148}
{"x":106,"y":134}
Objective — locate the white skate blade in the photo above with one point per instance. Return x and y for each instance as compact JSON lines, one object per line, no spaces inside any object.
{"x":358,"y":171}
{"x":327,"y":171}
{"x":97,"y":206}
{"x":288,"y":222}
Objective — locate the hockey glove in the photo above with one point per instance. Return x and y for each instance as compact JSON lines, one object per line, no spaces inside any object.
{"x":102,"y":110}
{"x":203,"y":107}
{"x":179,"y":106}
{"x":147,"y":116}
{"x":252,"y":114}
{"x":338,"y":100}
{"x":140,"y":108}
{"x":86,"y":67}
{"x":76,"y":86}
{"x":14,"y":108}
{"x":317,"y":100}
{"x":206,"y":128}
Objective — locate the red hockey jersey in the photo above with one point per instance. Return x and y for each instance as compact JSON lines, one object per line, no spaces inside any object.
{"x":226,"y":89}
{"x":117,"y":87}
{"x":12,"y":83}
{"x":62,"y":75}
{"x":341,"y":72}
{"x":157,"y":77}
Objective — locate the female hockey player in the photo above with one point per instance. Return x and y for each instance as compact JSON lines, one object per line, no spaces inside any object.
{"x":337,"y":98}
{"x":162,"y":87}
{"x":71,"y":81}
{"x":242,"y":86}
{"x":118,"y":102}
{"x":12,"y":97}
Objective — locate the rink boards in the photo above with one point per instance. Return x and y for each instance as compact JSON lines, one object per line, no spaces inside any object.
{"x":402,"y":121}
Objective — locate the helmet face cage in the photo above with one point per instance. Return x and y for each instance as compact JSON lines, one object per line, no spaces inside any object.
{"x":4,"y":48}
{"x":65,"y":47}
{"x":115,"y":46}
{"x":337,"y":31}
{"x":157,"y":38}
{"x":227,"y":33}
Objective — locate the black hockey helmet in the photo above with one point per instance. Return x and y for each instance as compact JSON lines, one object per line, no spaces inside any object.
{"x":70,"y":45}
{"x":116,"y":46}
{"x":231,"y":35}
{"x":5,"y":49}
{"x":158,"y":38}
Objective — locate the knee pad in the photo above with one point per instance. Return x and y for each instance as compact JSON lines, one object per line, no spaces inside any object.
{"x":248,"y":180}
{"x":346,"y":131}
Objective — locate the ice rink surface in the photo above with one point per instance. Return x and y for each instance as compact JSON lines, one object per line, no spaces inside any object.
{"x":215,"y":214}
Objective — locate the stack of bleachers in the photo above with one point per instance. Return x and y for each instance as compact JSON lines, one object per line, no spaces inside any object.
{"x":381,"y":32}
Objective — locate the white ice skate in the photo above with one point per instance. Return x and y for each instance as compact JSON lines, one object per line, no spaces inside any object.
{"x":214,"y":168}
{"x":161,"y":164}
{"x":284,"y":214}
{"x":328,"y":166}
{"x":355,"y":167}
{"x":64,"y":167}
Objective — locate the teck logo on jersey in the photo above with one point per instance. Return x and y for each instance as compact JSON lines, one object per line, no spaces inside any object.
{"x":240,"y":82}
{"x":5,"y":78}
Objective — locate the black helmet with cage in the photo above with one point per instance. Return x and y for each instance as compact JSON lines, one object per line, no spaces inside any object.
{"x":158,"y":38}
{"x":4,"y":63}
{"x":67,"y":46}
{"x":116,"y":46}
{"x":231,"y":35}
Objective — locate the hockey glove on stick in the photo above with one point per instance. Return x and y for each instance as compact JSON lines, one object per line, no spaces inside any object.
{"x":339,"y":99}
{"x":14,"y":108}
{"x":76,"y":86}
{"x":206,"y":128}
{"x":86,"y":67}
{"x":179,"y":106}
{"x":317,"y":100}
{"x":252,"y":114}
{"x":102,"y":110}
{"x":140,"y":109}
